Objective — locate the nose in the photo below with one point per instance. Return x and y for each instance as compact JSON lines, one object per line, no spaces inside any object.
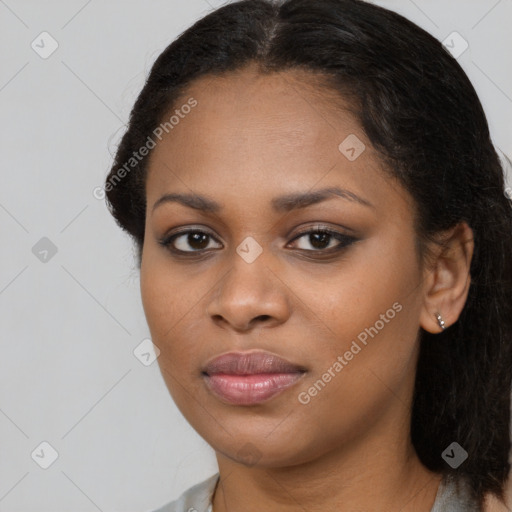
{"x":248,"y":295}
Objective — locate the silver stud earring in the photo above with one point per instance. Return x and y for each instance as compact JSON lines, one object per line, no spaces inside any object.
{"x":440,"y":321}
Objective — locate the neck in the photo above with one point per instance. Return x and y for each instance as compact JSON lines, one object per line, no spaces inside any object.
{"x":410,"y":488}
{"x":378,"y":472}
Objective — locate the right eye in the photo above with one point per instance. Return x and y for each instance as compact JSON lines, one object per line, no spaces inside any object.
{"x":180,"y":242}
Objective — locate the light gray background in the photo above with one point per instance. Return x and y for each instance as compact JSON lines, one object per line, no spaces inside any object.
{"x":69,"y":325}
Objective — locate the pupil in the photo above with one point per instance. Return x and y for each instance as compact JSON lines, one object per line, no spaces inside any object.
{"x":197,"y":238}
{"x":323,"y":237}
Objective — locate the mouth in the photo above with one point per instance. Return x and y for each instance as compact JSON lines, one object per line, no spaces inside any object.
{"x":250,"y":378}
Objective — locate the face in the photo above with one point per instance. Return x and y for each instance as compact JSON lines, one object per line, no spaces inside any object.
{"x":330,"y":283}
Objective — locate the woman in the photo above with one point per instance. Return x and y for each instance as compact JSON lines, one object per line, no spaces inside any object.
{"x":325,"y":244}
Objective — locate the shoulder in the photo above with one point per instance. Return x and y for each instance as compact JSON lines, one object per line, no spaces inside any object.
{"x":195,"y":499}
{"x":454,"y":495}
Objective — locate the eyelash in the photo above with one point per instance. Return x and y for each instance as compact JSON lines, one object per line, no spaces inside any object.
{"x":345,"y":241}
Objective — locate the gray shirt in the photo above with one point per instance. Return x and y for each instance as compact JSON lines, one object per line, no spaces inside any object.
{"x":452,"y":496}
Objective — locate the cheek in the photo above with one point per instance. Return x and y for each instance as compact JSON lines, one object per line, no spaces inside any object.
{"x":158,"y":301}
{"x":367,"y":312}
{"x":175,"y":310}
{"x":168,"y":295}
{"x":166,"y":307}
{"x":349,"y":297}
{"x":170,"y":314}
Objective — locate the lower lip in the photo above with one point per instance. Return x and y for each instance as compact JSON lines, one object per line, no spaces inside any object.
{"x":250,"y":389}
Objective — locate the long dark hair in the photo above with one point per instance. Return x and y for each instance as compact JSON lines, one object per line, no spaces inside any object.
{"x":420,"y":111}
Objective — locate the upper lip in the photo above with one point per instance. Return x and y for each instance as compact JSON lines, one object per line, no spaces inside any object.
{"x":250,"y":363}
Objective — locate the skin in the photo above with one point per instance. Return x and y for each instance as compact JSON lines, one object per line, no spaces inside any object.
{"x":250,"y":139}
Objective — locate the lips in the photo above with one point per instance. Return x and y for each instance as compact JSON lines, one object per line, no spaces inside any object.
{"x":239,"y":363}
{"x":250,"y":378}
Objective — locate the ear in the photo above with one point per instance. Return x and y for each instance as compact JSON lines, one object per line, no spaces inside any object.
{"x":447,"y":278}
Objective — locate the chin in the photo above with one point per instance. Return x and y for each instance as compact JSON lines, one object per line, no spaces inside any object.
{"x":260,"y":451}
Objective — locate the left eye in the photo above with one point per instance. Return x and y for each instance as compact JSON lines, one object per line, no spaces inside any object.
{"x":320,"y":240}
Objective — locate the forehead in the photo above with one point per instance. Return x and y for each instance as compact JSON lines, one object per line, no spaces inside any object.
{"x":253,"y":135}
{"x":240,"y":109}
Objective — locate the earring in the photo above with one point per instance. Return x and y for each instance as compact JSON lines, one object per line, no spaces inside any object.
{"x":440,"y":321}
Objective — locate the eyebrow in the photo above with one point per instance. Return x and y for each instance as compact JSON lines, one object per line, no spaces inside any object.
{"x":283,"y":203}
